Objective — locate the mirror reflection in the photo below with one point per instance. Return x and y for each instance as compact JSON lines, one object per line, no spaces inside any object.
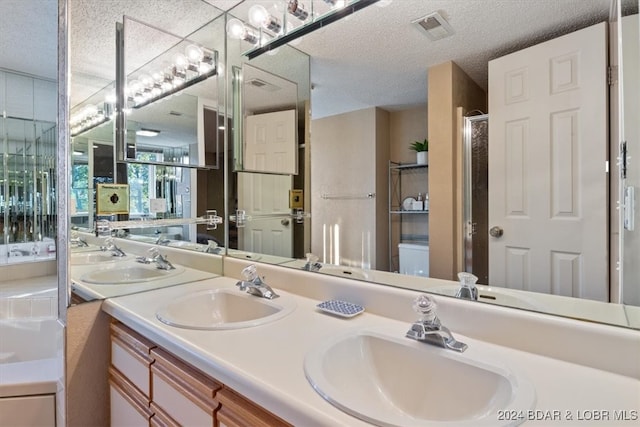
{"x":141,"y":139}
{"x":27,"y":174}
{"x":372,"y":107}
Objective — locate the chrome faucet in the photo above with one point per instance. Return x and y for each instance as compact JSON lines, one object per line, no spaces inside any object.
{"x":109,"y":245}
{"x":468,"y":288}
{"x":312,"y":263}
{"x":213,"y":248}
{"x":161,"y":240}
{"x":429,"y":329}
{"x":161,"y":261}
{"x":254,"y":285}
{"x":78,"y":242}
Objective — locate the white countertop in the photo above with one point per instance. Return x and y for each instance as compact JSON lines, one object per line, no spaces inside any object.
{"x":91,"y":291}
{"x":265,"y":363}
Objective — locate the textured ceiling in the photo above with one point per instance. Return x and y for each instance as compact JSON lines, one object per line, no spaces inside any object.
{"x":377,"y":57}
{"x":28,"y":36}
{"x":374,"y":58}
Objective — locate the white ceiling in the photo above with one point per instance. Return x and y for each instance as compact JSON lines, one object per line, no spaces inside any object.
{"x":374,"y":58}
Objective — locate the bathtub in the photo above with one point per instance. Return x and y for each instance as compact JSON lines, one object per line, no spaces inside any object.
{"x":30,"y":370}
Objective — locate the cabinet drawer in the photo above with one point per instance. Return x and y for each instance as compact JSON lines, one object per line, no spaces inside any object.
{"x":130,"y":354}
{"x":160,"y":418}
{"x":236,"y":411}
{"x":183,"y":393}
{"x":27,"y":411}
{"x":129,"y":407}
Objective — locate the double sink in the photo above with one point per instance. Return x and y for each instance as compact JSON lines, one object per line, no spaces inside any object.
{"x":374,"y":375}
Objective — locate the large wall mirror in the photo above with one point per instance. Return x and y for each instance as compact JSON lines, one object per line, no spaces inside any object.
{"x":369,"y":103}
{"x":146,"y":110}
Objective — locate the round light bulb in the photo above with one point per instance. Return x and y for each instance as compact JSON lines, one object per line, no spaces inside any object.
{"x":158,"y":77}
{"x":180,"y":61}
{"x":134,"y":87}
{"x":235,"y":29}
{"x":145,"y":80}
{"x":111,"y":98}
{"x":258,"y":15}
{"x":194,"y":53}
{"x":90,"y":110}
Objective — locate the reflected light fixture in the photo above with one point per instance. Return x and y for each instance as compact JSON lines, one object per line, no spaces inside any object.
{"x":237,"y":30}
{"x":260,"y":17}
{"x":195,"y":65}
{"x":295,"y":8}
{"x":338,"y":12}
{"x":147,"y":132}
{"x":90,"y":117}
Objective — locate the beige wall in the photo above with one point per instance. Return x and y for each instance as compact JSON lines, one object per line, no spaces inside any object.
{"x":348,"y":153}
{"x":87,"y":363}
{"x":448,"y":88}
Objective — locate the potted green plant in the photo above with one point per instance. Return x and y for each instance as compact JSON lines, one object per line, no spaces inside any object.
{"x":422,"y":151}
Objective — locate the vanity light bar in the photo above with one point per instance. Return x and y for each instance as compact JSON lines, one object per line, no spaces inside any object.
{"x":187,"y":71}
{"x":90,"y":117}
{"x":307,"y":28}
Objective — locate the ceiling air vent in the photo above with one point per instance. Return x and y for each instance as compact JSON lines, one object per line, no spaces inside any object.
{"x":261,"y":84}
{"x":435,"y":26}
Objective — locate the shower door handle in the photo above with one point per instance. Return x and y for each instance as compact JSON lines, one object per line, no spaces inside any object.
{"x":496,"y":232}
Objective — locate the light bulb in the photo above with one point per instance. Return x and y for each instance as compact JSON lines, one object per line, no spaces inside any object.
{"x":204,"y":68}
{"x":258,"y":15}
{"x":180,"y":62}
{"x":134,"y":87}
{"x":235,"y":29}
{"x":158,"y":77}
{"x":111,"y":98}
{"x":90,"y":110}
{"x":145,"y":80}
{"x":194,"y":53}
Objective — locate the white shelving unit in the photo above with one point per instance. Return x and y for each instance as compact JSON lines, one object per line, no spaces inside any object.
{"x":397,"y":194}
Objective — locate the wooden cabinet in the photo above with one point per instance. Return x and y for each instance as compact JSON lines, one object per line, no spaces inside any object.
{"x":236,"y":411}
{"x":152,"y":387}
{"x":129,"y":407}
{"x":184,"y":394}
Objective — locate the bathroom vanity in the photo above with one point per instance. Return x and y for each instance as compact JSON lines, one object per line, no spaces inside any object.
{"x":161,"y":374}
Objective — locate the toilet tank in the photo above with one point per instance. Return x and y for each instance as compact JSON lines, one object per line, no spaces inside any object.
{"x":414,"y":259}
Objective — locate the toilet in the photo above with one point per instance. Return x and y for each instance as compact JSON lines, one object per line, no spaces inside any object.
{"x":414,"y":259}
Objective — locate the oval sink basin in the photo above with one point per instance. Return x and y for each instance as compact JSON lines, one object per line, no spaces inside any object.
{"x":396,"y":381}
{"x":223,"y":309}
{"x":129,"y":274}
{"x":82,"y":258}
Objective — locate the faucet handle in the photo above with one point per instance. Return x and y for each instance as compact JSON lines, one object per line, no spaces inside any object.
{"x":467,"y":279}
{"x":426,"y":307}
{"x":249,"y":273}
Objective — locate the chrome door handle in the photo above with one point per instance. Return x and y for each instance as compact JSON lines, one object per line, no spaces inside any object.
{"x":496,"y":231}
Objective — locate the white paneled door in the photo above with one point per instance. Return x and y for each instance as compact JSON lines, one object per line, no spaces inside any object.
{"x":270,"y":144}
{"x":548,"y":140}
{"x":260,"y":196}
